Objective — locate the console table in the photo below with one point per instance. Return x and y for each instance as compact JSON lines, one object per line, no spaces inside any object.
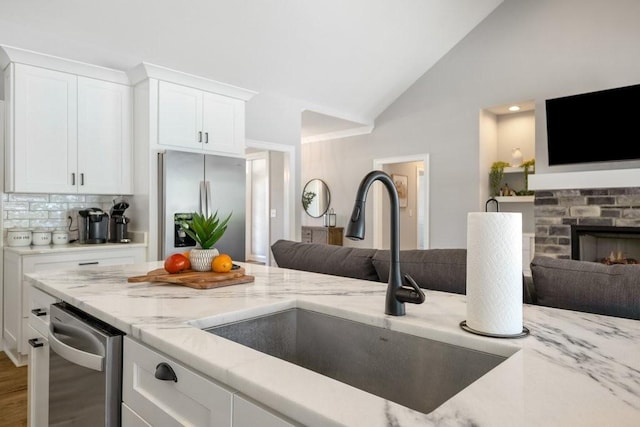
{"x":327,"y":235}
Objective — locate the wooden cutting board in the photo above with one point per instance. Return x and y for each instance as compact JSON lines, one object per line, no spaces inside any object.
{"x":195,"y":279}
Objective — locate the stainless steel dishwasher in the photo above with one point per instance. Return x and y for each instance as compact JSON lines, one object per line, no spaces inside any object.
{"x":85,"y":369}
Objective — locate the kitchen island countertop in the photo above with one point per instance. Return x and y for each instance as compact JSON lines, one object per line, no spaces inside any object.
{"x":573,"y":369}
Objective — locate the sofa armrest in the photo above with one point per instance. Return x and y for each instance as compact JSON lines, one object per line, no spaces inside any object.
{"x":612,"y":290}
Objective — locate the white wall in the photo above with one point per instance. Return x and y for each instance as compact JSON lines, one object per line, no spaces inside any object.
{"x":523,"y":50}
{"x":277,"y":120}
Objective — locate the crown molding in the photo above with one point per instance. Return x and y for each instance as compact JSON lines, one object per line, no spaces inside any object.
{"x":145,"y":70}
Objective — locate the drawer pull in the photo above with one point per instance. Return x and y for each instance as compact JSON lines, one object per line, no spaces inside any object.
{"x":39,"y":312}
{"x":33,"y":342}
{"x":89,"y":263}
{"x":165,"y":372}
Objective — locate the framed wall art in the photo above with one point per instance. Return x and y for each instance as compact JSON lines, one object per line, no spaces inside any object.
{"x":400,"y":181}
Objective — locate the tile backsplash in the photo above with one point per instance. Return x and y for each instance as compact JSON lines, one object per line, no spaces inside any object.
{"x":50,"y":211}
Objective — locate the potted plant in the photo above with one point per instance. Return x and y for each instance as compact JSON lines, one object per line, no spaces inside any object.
{"x":529,"y":164}
{"x":495,"y":177}
{"x":206,"y":231}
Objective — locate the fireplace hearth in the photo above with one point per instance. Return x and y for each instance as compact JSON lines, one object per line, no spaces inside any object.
{"x":609,"y":245}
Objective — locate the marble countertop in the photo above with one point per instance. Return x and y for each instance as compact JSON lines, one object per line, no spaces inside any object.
{"x":573,"y":369}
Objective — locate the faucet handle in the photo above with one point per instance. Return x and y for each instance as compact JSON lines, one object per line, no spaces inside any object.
{"x":413,"y":295}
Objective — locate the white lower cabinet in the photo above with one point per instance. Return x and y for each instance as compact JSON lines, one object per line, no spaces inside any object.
{"x":191,"y":399}
{"x":38,"y":380}
{"x":38,"y":372}
{"x":16,"y":298}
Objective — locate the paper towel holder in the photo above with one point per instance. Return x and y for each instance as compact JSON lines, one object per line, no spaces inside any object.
{"x":465,"y":327}
{"x":486,"y":205}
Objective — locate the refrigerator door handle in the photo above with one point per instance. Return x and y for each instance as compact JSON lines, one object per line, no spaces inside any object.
{"x":208,"y":198}
{"x":162,"y":173}
{"x":203,"y":198}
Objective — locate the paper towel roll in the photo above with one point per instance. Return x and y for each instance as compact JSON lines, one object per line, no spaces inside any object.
{"x":494,"y":272}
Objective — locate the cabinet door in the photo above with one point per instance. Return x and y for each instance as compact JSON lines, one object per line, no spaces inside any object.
{"x":12,"y":308}
{"x":38,"y":380}
{"x":104,"y":137}
{"x":179,"y":116}
{"x":223,"y":124}
{"x":44,"y":145}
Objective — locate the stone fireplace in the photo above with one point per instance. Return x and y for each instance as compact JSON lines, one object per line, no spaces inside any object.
{"x":615,"y":211}
{"x":605,"y":244}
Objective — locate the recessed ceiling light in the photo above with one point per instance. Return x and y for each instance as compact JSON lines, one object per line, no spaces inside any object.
{"x":514,"y":108}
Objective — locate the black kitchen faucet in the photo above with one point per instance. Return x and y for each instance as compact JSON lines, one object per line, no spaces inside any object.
{"x":397,"y":294}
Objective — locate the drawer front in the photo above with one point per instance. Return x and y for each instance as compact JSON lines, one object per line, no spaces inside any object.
{"x":36,"y":263}
{"x":39,"y":305}
{"x":131,"y":419}
{"x":249,"y":414}
{"x":192,"y":400}
{"x":306,"y":235}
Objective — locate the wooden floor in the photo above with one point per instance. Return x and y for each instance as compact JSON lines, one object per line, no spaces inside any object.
{"x":13,"y":393}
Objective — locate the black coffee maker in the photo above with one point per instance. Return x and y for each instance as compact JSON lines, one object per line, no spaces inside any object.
{"x":118,"y":225}
{"x":92,"y":226}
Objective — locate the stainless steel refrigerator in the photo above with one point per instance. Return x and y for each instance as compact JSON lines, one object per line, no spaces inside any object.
{"x":191,"y":182}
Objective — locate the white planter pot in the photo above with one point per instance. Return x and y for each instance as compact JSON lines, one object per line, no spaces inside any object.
{"x":201,"y":258}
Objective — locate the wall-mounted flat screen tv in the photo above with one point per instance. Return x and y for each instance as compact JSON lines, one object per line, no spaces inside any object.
{"x":601,"y":126}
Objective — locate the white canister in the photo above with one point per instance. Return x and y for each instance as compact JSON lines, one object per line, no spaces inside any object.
{"x":41,"y":237}
{"x":18,"y":237}
{"x":60,"y":237}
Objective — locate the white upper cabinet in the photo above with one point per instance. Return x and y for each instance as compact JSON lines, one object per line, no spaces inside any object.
{"x":104,"y":137}
{"x":66,"y":132}
{"x":43,"y":152}
{"x":198,"y":120}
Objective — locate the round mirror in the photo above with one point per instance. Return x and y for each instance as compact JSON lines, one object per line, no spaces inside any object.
{"x":316,"y":198}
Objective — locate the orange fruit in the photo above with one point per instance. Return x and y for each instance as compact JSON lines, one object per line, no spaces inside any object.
{"x":221,"y":263}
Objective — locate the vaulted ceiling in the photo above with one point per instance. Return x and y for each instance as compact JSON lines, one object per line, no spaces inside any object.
{"x":343,"y":59}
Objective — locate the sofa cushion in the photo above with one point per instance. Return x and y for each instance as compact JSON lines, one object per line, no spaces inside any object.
{"x":435,"y":269}
{"x":328,"y":259}
{"x":613,"y":290}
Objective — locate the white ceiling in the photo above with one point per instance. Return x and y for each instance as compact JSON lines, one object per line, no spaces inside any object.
{"x":348,"y":59}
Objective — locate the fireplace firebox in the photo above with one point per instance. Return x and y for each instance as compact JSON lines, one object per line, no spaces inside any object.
{"x":606,"y":244}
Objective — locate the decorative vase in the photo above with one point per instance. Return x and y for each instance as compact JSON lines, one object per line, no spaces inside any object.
{"x":516,"y":157}
{"x":201,"y":258}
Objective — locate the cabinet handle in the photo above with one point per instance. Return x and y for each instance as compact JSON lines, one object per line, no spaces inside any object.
{"x":206,"y":137}
{"x":200,"y":136}
{"x":89,"y":263}
{"x":165,"y":372}
{"x":73,"y":178}
{"x":39,"y":312}
{"x":33,"y":342}
{"x":82,"y":179}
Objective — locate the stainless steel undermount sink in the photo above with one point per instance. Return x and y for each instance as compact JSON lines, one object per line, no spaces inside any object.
{"x":415,"y":372}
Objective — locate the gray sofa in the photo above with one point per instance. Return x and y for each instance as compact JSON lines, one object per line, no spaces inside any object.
{"x":559,"y":283}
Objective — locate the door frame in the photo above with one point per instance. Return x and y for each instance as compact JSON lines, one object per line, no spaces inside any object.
{"x":289,"y":230}
{"x":250,"y":256}
{"x":378,"y":164}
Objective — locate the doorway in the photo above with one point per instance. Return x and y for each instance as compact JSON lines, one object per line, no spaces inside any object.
{"x":414,"y":211}
{"x":270,"y":210}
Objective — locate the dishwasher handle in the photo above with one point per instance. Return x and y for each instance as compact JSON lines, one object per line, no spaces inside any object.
{"x":72,"y":354}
